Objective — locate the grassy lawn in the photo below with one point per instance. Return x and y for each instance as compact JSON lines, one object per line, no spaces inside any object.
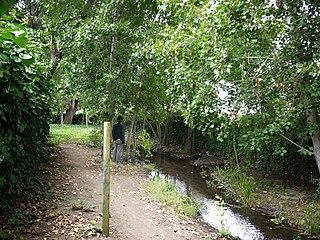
{"x":79,"y":134}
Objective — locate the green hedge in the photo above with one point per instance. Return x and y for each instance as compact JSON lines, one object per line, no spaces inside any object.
{"x":24,"y":108}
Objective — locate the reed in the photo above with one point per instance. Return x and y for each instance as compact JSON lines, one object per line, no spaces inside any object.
{"x":239,"y":181}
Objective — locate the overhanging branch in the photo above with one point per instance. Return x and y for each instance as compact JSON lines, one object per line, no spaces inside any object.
{"x":296,"y":144}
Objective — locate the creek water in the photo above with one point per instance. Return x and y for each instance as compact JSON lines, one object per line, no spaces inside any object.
{"x":245,"y":223}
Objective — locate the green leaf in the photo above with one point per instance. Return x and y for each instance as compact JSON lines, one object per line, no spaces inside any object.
{"x":27,"y":58}
{"x":21,"y":42}
{"x":19,"y":33}
{"x":7,"y":35}
{"x":28,"y":61}
{"x":18,"y":92}
{"x":15,"y":58}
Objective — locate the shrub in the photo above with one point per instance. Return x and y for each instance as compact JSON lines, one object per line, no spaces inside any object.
{"x":24,"y":108}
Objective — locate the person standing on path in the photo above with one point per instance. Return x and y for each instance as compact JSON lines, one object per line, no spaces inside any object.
{"x":118,"y":138}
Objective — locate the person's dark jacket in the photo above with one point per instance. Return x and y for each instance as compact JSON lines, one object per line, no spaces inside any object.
{"x":118,"y":132}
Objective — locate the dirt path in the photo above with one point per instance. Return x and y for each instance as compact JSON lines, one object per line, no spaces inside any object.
{"x":77,"y":175}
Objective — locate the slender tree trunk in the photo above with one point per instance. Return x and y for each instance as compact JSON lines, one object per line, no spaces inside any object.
{"x":55,"y":57}
{"x":61,"y":115}
{"x":156,"y":134}
{"x":152,"y":129}
{"x":143,"y":129}
{"x":112,"y":87}
{"x":134,"y":144}
{"x":87,"y":119}
{"x":133,"y":120}
{"x":190,"y":141}
{"x":111,"y":64}
{"x":166,"y":138}
{"x":159,"y":134}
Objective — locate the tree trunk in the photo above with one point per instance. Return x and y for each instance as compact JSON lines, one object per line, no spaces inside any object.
{"x":159,"y":134}
{"x":156,"y":134}
{"x":90,"y":4}
{"x":111,"y":63}
{"x":112,"y":87}
{"x":34,"y":13}
{"x":313,"y":118}
{"x":55,"y":58}
{"x":133,"y":120}
{"x":73,"y":107}
{"x":144,"y":129}
{"x":166,"y":138}
{"x":190,"y":141}
{"x":61,"y":115}
{"x":87,"y":120}
{"x":134,"y":145}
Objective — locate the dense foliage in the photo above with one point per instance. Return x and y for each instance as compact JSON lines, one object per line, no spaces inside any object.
{"x":243,"y":74}
{"x":231,"y":69}
{"x":24,"y":107}
{"x":239,"y":78}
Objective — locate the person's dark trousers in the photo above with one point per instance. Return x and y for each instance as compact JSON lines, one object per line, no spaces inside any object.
{"x":117,"y":151}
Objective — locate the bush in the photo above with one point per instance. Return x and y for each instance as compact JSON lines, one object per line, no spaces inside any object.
{"x":24,"y":108}
{"x":96,"y":137}
{"x":145,"y":144}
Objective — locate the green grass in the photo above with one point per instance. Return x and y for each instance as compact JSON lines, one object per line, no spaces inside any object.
{"x":79,"y":134}
{"x":150,"y":166}
{"x":167,"y":194}
{"x":238,"y":181}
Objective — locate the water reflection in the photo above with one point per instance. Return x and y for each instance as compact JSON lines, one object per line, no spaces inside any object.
{"x":222,"y":217}
{"x":244,"y":223}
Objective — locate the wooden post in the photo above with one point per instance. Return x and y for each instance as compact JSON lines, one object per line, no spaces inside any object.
{"x":106,"y":177}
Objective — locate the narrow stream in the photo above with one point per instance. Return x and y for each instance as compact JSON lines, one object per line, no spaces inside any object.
{"x":244,"y":223}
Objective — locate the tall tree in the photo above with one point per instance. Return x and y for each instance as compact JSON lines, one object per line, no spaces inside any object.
{"x":59,"y":24}
{"x":239,"y":47}
{"x":300,"y":57}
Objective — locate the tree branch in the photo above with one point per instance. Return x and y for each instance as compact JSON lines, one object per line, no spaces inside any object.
{"x":311,"y":153}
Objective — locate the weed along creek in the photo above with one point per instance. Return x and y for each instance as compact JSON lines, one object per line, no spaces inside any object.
{"x":242,"y":222}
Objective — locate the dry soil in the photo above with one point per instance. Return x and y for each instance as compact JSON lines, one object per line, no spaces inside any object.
{"x":76,"y":174}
